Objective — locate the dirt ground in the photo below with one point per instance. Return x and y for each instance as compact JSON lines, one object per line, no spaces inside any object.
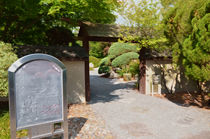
{"x":187,"y":99}
{"x":83,"y":124}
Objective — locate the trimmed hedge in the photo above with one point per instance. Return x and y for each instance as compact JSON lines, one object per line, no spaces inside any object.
{"x":105,"y":61}
{"x":124,"y":59}
{"x":118,"y":49}
{"x":7,"y":57}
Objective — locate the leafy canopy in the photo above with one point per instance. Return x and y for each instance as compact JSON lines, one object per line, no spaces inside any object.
{"x":144,"y":21}
{"x":28,"y":21}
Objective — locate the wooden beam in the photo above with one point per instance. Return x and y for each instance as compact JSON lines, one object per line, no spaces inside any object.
{"x":87,"y":71}
{"x":142,"y":74}
{"x":103,"y":39}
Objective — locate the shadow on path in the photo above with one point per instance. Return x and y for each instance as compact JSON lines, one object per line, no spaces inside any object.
{"x":102,"y":89}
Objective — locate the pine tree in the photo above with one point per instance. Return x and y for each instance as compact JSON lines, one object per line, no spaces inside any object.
{"x":188,"y":30}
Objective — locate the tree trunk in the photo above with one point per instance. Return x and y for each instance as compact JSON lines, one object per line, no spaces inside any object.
{"x":201,"y":88}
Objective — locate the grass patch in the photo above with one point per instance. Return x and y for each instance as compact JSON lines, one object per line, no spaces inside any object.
{"x":5,"y":123}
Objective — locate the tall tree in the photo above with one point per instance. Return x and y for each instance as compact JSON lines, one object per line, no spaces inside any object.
{"x":144,"y":21}
{"x":187,"y":26}
{"x":27,"y":21}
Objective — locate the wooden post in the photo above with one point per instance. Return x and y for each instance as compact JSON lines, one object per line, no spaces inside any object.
{"x":142,"y":74}
{"x":87,"y":71}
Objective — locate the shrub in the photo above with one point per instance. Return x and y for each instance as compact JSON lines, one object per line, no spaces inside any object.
{"x":122,"y":71}
{"x":118,"y":49}
{"x":104,"y":69}
{"x":95,"y":61}
{"x":104,"y":66}
{"x":96,"y":49}
{"x":134,"y":67}
{"x":7,"y":57}
{"x":124,"y":59}
{"x":105,"y":61}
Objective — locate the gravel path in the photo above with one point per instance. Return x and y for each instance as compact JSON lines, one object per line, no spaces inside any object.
{"x":130,"y":115}
{"x":83,"y":124}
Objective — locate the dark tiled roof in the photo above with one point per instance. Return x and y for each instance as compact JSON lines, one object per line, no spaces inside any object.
{"x":110,"y":31}
{"x":99,"y":30}
{"x":152,"y":54}
{"x":73,"y":52}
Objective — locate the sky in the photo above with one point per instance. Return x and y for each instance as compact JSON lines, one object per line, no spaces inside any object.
{"x":120,"y":20}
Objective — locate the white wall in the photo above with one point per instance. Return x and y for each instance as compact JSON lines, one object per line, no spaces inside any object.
{"x":75,"y":81}
{"x":172,"y":80}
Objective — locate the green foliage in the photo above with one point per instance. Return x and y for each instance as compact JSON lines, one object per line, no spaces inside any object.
{"x":97,"y":49}
{"x":94,"y":60}
{"x":124,"y":59}
{"x":4,"y":124}
{"x":104,"y":66}
{"x":105,"y":61}
{"x":187,"y":26}
{"x":134,"y":67}
{"x":142,"y":13}
{"x":119,"y":55}
{"x":28,"y":21}
{"x":91,"y":69}
{"x":104,"y":69}
{"x":82,"y":10}
{"x":144,"y":21}
{"x":122,"y":71}
{"x":167,"y":4}
{"x":118,"y":49}
{"x":7,"y":57}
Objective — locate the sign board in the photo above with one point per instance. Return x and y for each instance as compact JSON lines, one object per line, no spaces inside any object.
{"x":37,"y":95}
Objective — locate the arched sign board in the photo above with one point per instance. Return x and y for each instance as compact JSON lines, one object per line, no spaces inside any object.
{"x":37,"y":96}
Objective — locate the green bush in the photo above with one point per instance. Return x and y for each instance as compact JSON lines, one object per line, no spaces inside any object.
{"x":118,"y":49}
{"x":7,"y":57}
{"x":96,"y":49}
{"x":122,"y":71}
{"x":104,"y":69}
{"x":95,"y":61}
{"x":134,"y":67}
{"x":105,"y":61}
{"x":124,"y":59}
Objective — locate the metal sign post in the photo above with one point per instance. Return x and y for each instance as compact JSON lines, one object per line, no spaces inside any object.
{"x":37,"y":96}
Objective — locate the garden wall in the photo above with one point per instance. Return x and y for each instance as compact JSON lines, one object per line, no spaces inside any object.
{"x":171,"y":80}
{"x":75,"y":81}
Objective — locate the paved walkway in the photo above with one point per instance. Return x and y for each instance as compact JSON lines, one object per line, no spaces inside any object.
{"x":130,"y":115}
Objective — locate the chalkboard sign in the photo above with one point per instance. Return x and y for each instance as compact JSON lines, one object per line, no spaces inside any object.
{"x":37,"y":92}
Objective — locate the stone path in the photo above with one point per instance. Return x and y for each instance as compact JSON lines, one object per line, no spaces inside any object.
{"x":130,"y":115}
